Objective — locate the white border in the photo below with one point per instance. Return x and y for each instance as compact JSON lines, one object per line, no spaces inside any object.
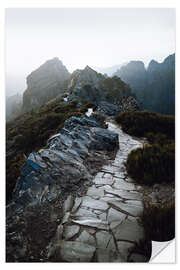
{"x":75,"y":4}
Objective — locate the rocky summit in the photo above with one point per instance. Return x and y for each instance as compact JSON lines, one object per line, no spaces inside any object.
{"x":109,"y":94}
{"x":45,"y":83}
{"x":52,"y":79}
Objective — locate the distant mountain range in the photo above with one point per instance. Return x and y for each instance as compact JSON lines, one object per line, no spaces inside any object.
{"x":52,"y":79}
{"x":154,"y":86}
{"x":108,"y":70}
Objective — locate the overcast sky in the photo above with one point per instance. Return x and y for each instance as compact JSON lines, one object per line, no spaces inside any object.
{"x":80,"y":37}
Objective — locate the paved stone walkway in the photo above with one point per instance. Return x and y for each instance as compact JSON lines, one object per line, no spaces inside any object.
{"x":103,"y":225}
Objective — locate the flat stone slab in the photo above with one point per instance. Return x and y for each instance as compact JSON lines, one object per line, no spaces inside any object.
{"x":124,"y":194}
{"x":114,"y":224}
{"x":124,"y":247}
{"x":123,"y":185}
{"x":103,"y":216}
{"x":114,"y":215}
{"x":104,"y":181}
{"x":81,"y":212}
{"x":94,"y":191}
{"x":104,"y":255}
{"x":92,"y":222}
{"x":107,"y":198}
{"x":111,"y":245}
{"x":70,"y":231}
{"x":129,"y":231}
{"x":76,"y":251}
{"x":94,"y":204}
{"x":103,"y":239}
{"x":86,"y":238}
{"x":129,"y":209}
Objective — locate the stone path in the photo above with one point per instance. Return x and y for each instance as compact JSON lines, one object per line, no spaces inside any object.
{"x":103,"y":225}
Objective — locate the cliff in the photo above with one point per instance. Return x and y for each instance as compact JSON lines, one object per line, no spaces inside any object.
{"x":154,"y":87}
{"x":45,"y":83}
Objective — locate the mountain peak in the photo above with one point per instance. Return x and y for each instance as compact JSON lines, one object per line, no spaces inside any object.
{"x":45,"y":83}
{"x":88,"y":68}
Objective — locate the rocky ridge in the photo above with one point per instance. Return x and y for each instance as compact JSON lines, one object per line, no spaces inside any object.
{"x":111,"y":95}
{"x":52,"y":79}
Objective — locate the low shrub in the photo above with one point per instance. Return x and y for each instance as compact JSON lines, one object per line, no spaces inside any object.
{"x":155,"y":162}
{"x":159,"y":222}
{"x":140,"y":123}
{"x":152,"y":164}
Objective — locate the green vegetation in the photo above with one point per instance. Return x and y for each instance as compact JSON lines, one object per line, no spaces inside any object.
{"x":155,"y":162}
{"x":159,"y":222}
{"x":152,"y":164}
{"x":115,"y":89}
{"x":146,"y":124}
{"x":30,"y":131}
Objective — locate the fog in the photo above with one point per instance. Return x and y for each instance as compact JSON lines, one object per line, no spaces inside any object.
{"x":80,"y":37}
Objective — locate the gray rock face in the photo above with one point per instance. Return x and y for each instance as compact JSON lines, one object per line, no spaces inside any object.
{"x":109,"y":109}
{"x":59,"y":167}
{"x":87,"y":76}
{"x":110,"y":94}
{"x":154,"y":86}
{"x":45,"y":83}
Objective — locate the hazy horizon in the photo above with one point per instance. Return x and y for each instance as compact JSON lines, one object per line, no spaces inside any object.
{"x":91,"y":36}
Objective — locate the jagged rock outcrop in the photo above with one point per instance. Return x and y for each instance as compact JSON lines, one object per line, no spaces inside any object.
{"x":154,"y":86}
{"x":107,"y":93}
{"x":87,"y":76}
{"x":67,"y":165}
{"x":45,"y":83}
